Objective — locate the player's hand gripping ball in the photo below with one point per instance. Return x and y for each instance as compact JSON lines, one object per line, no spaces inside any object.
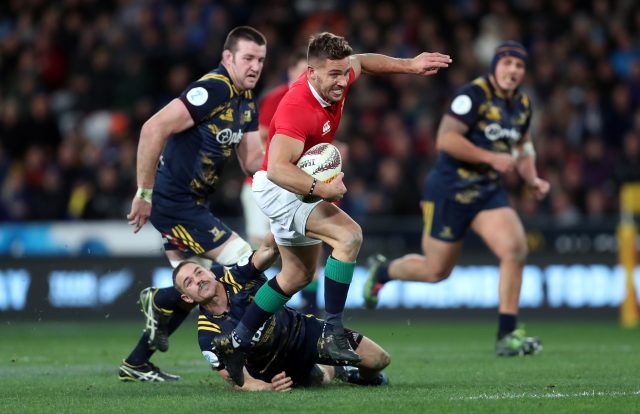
{"x":323,"y":162}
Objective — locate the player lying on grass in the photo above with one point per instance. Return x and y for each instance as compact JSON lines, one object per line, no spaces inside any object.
{"x":284,"y":351}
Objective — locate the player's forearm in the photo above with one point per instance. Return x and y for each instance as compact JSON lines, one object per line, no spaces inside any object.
{"x":149,"y":149}
{"x":526,"y":167}
{"x":380,"y":64}
{"x":290,"y":177}
{"x":462,"y":149}
{"x":253,"y":163}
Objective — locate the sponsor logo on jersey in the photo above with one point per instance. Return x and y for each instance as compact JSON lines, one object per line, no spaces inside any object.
{"x":326,"y":127}
{"x":258,"y":335}
{"x":494,"y":132}
{"x":228,"y":137}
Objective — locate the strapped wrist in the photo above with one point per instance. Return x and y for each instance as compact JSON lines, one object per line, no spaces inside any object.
{"x":145,"y":194}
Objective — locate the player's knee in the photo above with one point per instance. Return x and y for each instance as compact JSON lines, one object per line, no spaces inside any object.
{"x":308,"y":275}
{"x":517,"y":252}
{"x":382,"y":361}
{"x":352,"y":237}
{"x":438,"y":272}
{"x":522,"y":252}
{"x":233,"y":251}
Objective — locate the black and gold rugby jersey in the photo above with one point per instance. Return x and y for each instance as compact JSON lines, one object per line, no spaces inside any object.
{"x":281,"y":336}
{"x":495,"y":123}
{"x":192,"y":161}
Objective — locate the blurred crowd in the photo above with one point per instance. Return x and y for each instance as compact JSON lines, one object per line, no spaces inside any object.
{"x":80,"y":77}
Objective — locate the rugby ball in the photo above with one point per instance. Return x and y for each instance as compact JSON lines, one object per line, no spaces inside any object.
{"x":322,"y":161}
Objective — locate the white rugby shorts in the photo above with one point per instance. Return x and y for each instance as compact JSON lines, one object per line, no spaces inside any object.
{"x":288,"y":215}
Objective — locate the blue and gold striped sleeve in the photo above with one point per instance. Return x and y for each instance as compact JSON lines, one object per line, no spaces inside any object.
{"x":207,"y":330}
{"x":230,"y":280}
{"x":205,"y":325}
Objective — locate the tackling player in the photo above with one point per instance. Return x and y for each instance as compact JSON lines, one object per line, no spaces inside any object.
{"x":310,"y":114}
{"x":484,"y":134}
{"x":197,"y":133}
{"x":283,"y":352}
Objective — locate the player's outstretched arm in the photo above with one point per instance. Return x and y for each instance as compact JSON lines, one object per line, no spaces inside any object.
{"x":173,"y":118}
{"x":424,"y":64}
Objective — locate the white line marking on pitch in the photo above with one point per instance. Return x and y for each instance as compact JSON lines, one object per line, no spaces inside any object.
{"x":549,"y":395}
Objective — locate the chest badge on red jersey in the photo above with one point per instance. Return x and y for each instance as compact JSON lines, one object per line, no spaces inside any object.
{"x":326,"y":127}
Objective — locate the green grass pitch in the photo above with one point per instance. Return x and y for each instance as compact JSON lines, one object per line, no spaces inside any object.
{"x":586,"y":367}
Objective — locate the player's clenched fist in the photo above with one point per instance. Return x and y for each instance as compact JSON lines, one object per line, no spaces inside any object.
{"x":334,"y":190}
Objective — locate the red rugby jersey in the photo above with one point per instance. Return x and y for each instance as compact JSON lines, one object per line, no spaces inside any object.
{"x":301,"y":116}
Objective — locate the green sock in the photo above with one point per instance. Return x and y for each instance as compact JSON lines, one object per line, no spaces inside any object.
{"x":339,"y":271}
{"x":270,"y":300}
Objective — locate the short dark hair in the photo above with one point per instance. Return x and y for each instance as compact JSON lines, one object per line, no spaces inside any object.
{"x":175,"y":273}
{"x":244,"y":33}
{"x":326,"y":45}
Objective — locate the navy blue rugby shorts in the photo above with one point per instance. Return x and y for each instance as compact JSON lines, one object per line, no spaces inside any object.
{"x":187,"y":226}
{"x":447,"y":213}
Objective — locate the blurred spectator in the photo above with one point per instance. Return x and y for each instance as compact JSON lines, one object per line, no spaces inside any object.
{"x":106,"y":201}
{"x":627,"y":167}
{"x":78,"y":79}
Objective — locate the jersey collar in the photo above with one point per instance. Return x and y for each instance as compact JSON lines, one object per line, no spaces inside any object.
{"x":222,"y":70}
{"x":317,"y":96}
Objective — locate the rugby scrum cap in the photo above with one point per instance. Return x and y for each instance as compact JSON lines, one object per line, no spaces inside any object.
{"x":508,"y":48}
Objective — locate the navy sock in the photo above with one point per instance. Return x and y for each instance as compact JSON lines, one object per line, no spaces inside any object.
{"x":382,"y":275}
{"x":141,"y":353}
{"x":335,"y":295}
{"x":506,"y":324}
{"x":337,"y":279}
{"x":167,"y":298}
{"x":176,"y":320}
{"x":269,"y":299}
{"x":252,"y":320}
{"x":310,"y":299}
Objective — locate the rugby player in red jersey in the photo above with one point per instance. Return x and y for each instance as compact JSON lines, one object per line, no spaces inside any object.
{"x":310,"y":114}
